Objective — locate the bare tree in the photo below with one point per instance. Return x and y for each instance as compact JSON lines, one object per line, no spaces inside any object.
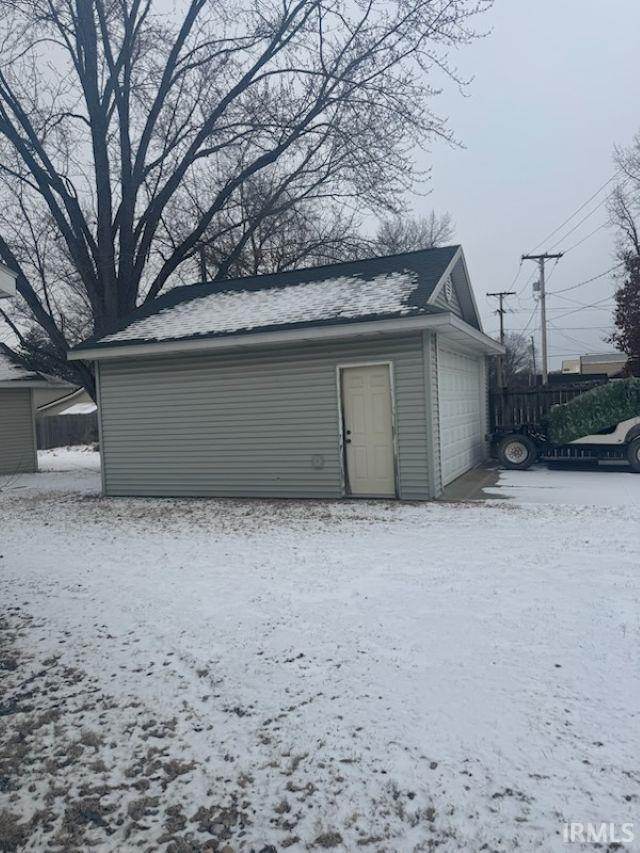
{"x":517,"y":362}
{"x":128,"y":136}
{"x":624,"y":207}
{"x":306,"y":235}
{"x":399,"y":233}
{"x":302,"y":234}
{"x":624,"y":202}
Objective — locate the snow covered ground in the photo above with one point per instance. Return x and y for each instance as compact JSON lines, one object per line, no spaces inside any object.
{"x":310,"y":675}
{"x":592,"y":486}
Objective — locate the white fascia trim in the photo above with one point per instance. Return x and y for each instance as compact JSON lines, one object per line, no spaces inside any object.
{"x":30,"y":383}
{"x":459,"y":256}
{"x":316,"y":333}
{"x":440,"y":283}
{"x":461,"y":330}
{"x":256,"y":339}
{"x":470,"y":288}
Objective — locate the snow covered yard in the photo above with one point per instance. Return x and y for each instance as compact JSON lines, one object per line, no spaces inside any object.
{"x":236,"y":675}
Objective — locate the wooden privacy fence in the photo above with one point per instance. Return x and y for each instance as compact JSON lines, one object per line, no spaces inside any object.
{"x":531,"y":405}
{"x":63,"y":430}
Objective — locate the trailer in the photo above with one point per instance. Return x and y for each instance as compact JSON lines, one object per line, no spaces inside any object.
{"x":520,"y":447}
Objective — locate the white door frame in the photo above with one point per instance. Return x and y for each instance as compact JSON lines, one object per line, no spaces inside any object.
{"x":344,"y":482}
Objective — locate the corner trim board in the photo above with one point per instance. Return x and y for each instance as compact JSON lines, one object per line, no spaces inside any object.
{"x":103,"y":467}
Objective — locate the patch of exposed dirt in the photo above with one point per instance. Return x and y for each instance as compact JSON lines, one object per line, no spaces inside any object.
{"x":70,"y":788}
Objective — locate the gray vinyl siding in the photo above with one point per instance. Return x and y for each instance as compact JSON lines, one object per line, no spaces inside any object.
{"x":250,"y":424}
{"x":17,"y":442}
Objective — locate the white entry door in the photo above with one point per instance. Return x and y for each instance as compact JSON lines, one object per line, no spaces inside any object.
{"x":368,"y":430}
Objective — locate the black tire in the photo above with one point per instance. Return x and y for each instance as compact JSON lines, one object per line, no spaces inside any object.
{"x":517,"y":452}
{"x":633,"y":454}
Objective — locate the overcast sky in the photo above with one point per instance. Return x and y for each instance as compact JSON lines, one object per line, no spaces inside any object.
{"x":556,"y":85}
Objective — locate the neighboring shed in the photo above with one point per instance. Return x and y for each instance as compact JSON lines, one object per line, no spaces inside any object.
{"x":363,"y":379}
{"x":18,"y":450}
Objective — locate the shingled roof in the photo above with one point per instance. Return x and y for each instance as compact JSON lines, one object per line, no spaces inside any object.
{"x":14,"y":376}
{"x":10,"y":372}
{"x":371,"y":289}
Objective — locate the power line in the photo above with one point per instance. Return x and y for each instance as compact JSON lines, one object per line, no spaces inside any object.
{"x":576,"y":226}
{"x":588,"y":280}
{"x":569,"y":337}
{"x":581,"y":305}
{"x":567,"y":328}
{"x":577,"y":211}
{"x":594,"y":305}
{"x":558,"y":353}
{"x":533,"y":313}
{"x":584,"y":239}
{"x":568,"y":299}
{"x":517,"y":275}
{"x":501,"y":296}
{"x":526,"y":284}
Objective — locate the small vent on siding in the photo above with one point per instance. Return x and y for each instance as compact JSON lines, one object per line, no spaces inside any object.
{"x":448,"y":290}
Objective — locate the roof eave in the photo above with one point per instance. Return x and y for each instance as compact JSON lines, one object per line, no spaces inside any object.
{"x":457,"y":329}
{"x":31,"y":383}
{"x":65,"y":397}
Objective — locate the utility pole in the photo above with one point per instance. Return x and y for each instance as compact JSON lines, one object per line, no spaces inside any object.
{"x":501,"y":295}
{"x":533,"y":357}
{"x":543,"y":307}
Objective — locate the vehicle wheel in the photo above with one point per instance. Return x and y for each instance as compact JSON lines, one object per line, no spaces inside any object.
{"x":633,"y":454}
{"x":517,"y":452}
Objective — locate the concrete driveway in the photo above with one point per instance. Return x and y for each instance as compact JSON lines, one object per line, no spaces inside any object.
{"x":593,"y":485}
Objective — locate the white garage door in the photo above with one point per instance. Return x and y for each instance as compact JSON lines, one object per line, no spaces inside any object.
{"x":461,"y":404}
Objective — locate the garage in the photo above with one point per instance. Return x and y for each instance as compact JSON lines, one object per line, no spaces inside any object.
{"x":363,"y":379}
{"x":463,"y":411}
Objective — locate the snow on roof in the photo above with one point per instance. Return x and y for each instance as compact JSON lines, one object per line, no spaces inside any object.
{"x":223,"y":312}
{"x":377,"y":288}
{"x":10,"y":372}
{"x":80,"y":409}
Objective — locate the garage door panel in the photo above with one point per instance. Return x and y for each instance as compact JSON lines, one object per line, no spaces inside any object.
{"x":460,"y":384}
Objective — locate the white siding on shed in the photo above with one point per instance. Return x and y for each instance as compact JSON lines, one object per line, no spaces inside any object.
{"x":462,"y":411}
{"x":261,"y":423}
{"x":17,"y":440}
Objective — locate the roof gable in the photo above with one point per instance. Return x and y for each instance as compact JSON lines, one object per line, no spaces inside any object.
{"x":464,"y":296}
